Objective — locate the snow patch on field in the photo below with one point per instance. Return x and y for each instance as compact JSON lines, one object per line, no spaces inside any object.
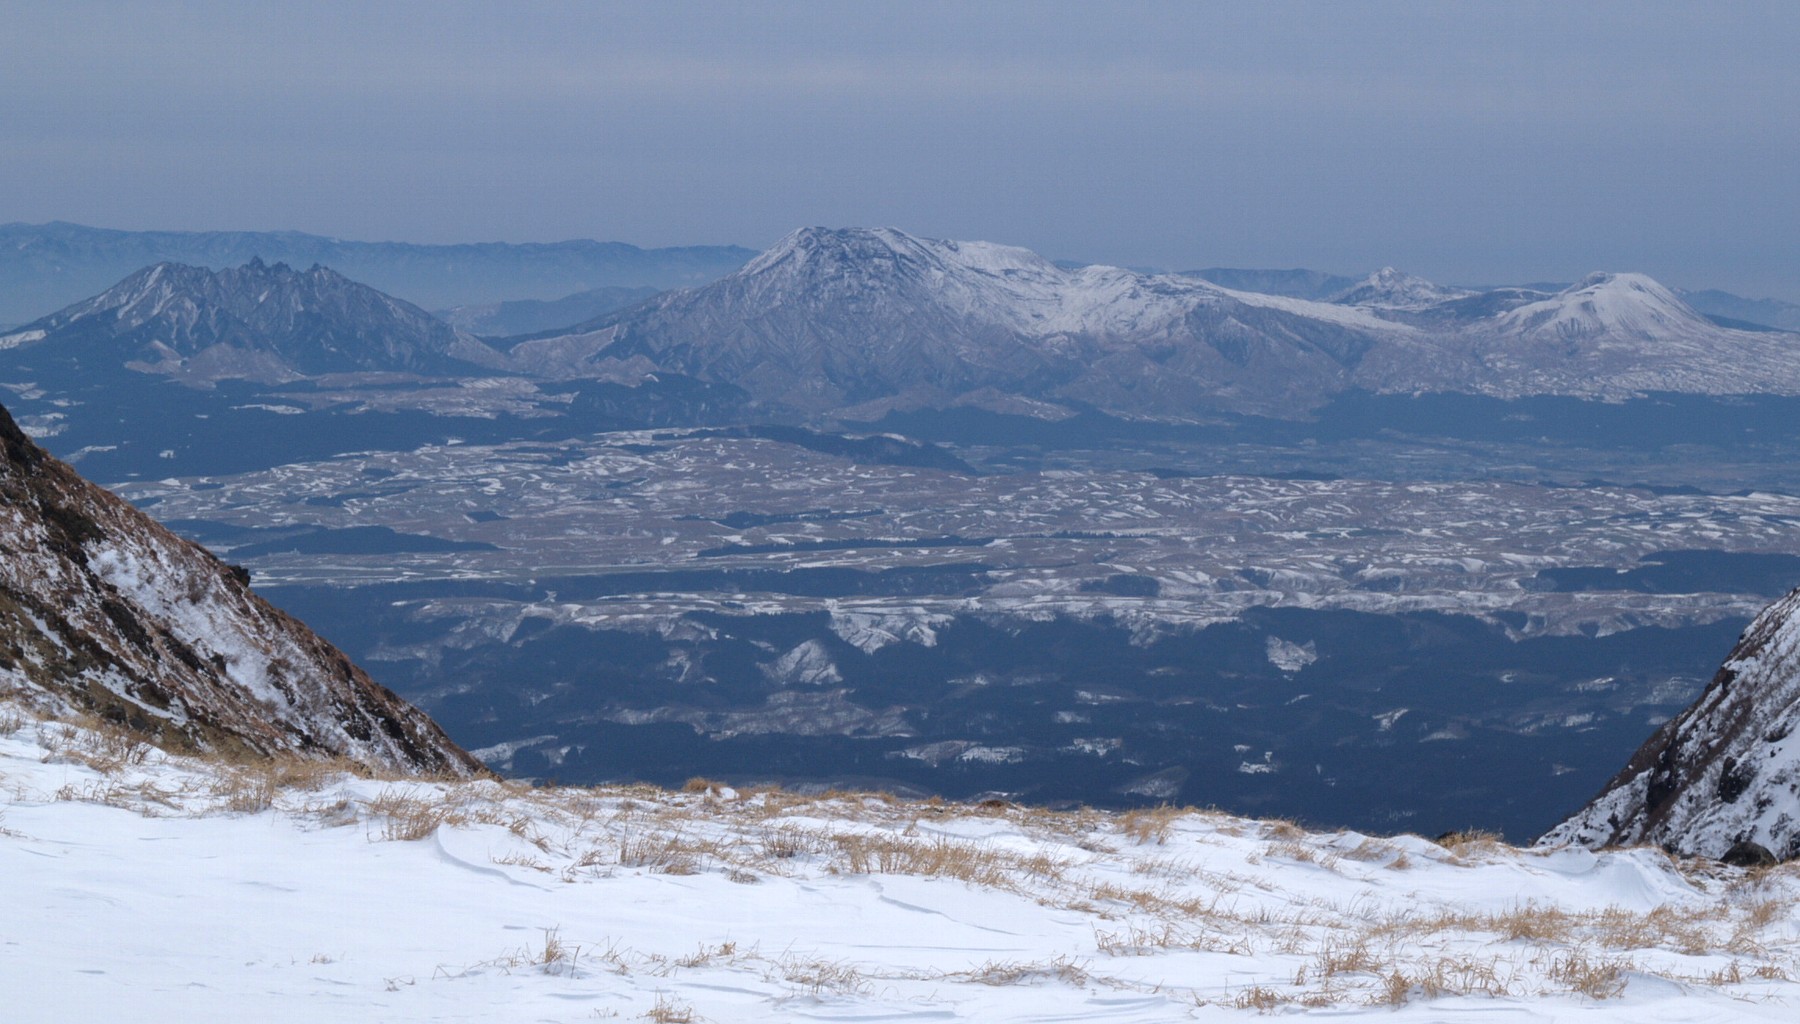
{"x":1289,"y":656}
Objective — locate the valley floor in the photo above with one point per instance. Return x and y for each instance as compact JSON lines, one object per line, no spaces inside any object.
{"x":144,"y":887}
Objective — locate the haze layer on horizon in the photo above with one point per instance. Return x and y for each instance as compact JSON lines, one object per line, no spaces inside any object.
{"x":1467,"y":143}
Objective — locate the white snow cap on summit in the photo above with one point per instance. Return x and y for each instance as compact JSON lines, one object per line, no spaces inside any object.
{"x":1626,"y":305}
{"x":1389,"y":288}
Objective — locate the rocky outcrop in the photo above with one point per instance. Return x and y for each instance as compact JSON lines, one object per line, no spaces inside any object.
{"x":1723,"y":777}
{"x":104,"y":612}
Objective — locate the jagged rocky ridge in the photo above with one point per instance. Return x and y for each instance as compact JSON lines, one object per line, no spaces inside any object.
{"x":259,"y":321}
{"x":104,"y":612}
{"x":1724,"y":773}
{"x":834,"y":319}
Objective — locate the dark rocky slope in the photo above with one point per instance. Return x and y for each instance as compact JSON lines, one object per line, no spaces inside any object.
{"x":1723,"y":774}
{"x":104,"y":612}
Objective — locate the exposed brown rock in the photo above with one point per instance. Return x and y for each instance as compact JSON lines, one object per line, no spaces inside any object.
{"x":1723,"y":775}
{"x":103,"y":611}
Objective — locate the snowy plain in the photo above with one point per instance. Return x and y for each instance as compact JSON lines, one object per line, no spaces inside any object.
{"x":140,"y":886}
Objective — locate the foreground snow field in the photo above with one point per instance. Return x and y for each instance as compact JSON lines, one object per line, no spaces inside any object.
{"x":142,"y":887}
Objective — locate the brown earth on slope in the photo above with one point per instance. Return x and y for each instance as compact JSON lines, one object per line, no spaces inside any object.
{"x":104,"y":612}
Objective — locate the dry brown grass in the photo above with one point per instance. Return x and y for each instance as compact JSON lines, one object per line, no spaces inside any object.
{"x":411,"y":814}
{"x":1435,"y":977}
{"x":885,"y":853}
{"x":1282,"y":828}
{"x":671,"y":853}
{"x":1533,"y":923}
{"x":1686,"y":929}
{"x":1151,"y":825}
{"x":1261,"y":999}
{"x":98,"y":791}
{"x":1372,"y":849}
{"x":1016,"y":972}
{"x":1472,"y":842}
{"x":1303,"y":851}
{"x":551,"y":956}
{"x":1349,"y":958}
{"x":93,"y":742}
{"x":1595,"y":977}
{"x":245,"y":792}
{"x":669,"y":1010}
{"x":815,"y":976}
{"x":1223,"y":935}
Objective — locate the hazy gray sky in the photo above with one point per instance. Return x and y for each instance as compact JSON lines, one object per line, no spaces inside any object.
{"x":1467,"y":142}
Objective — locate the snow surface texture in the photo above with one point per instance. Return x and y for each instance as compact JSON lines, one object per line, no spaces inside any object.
{"x":144,"y":887}
{"x":1725,"y":770}
{"x":104,"y":612}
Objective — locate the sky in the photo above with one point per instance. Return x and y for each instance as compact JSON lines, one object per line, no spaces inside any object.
{"x":1466,"y":142}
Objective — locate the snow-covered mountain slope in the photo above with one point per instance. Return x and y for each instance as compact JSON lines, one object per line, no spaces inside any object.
{"x":1619,"y":307}
{"x":532,"y":316}
{"x":832,"y":318}
{"x":1608,"y":336}
{"x":105,"y":613}
{"x":1296,"y":283}
{"x":1389,"y":288}
{"x":257,"y":321}
{"x":828,"y":318}
{"x":1726,"y":770}
{"x":227,"y":893}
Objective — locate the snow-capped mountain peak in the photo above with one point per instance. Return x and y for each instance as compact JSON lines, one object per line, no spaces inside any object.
{"x":833,"y":317}
{"x":1389,"y":288}
{"x":846,"y":247}
{"x":863,"y":318}
{"x":1620,"y":305}
{"x":259,"y":320}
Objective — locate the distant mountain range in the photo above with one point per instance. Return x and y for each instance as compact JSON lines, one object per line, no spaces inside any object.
{"x":855,"y":323}
{"x":1755,"y":312}
{"x":1295,"y":284}
{"x":865,"y":319}
{"x":1722,"y":307}
{"x":533,"y":316}
{"x":44,"y":267}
